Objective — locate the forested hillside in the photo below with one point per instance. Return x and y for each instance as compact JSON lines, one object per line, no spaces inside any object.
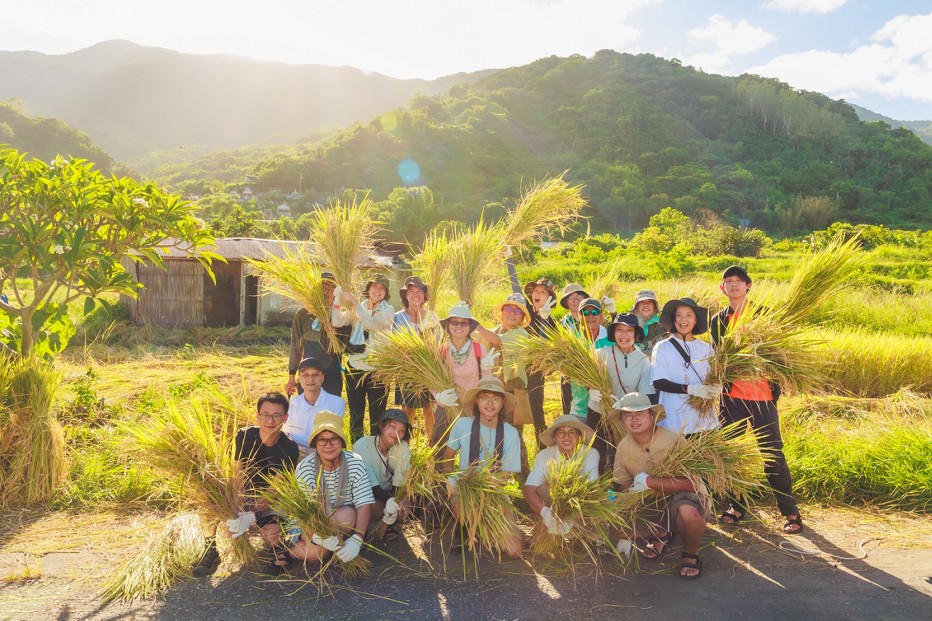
{"x":642,"y":133}
{"x":44,"y":138}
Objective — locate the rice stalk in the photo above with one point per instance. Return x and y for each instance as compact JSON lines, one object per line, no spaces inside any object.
{"x":289,"y":496}
{"x":604,"y":283}
{"x":422,"y":478}
{"x":574,"y":496}
{"x":405,"y":357}
{"x":167,"y":556}
{"x":472,"y":256}
{"x":550,"y":206}
{"x":342,"y":233}
{"x":193,"y":448}
{"x":33,"y":462}
{"x":770,"y":340}
{"x":433,"y":263}
{"x":487,"y":515}
{"x":296,"y":275}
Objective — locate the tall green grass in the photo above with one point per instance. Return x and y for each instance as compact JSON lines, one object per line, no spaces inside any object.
{"x":870,"y":364}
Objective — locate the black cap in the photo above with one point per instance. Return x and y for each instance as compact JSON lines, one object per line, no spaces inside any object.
{"x":312,"y":362}
{"x":400,"y":416}
{"x":736,"y":270}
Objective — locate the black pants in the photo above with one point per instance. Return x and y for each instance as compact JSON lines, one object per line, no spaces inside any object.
{"x":535,"y":394}
{"x":603,"y":442}
{"x":566,"y":395}
{"x":766,"y":422}
{"x":360,"y":386}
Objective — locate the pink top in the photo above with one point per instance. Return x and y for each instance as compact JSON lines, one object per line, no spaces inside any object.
{"x":465,"y":376}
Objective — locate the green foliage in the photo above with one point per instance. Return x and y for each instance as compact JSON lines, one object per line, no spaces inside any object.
{"x":724,"y":239}
{"x":45,"y":138}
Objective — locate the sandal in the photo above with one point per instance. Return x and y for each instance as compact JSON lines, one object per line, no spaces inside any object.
{"x":281,"y":559}
{"x":794,"y":525}
{"x":390,"y":534}
{"x":731,"y":517}
{"x":652,"y":547}
{"x":690,"y":561}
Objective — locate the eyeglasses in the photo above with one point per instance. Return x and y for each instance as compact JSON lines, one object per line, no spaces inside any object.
{"x":635,"y":415}
{"x":490,"y":397}
{"x":591,"y":312}
{"x":512,"y":310}
{"x":325,"y":441}
{"x":567,"y":433}
{"x":271,"y":418}
{"x":462,"y":323}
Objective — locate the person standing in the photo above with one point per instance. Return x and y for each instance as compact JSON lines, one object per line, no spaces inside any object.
{"x":415,"y":316}
{"x":754,"y":401}
{"x":647,"y":309}
{"x":540,"y":298}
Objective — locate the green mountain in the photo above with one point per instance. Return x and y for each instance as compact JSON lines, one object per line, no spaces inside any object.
{"x":44,"y":138}
{"x":134,"y":99}
{"x":641,"y":133}
{"x":923,"y":129}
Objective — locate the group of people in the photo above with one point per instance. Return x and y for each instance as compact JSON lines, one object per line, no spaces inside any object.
{"x":655,"y":362}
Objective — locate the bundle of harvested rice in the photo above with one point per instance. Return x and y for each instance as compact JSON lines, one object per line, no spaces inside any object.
{"x":342,"y":233}
{"x":472,"y":256}
{"x":487,"y":515}
{"x":550,"y":206}
{"x":407,"y":358}
{"x":433,"y":264}
{"x":422,"y":478}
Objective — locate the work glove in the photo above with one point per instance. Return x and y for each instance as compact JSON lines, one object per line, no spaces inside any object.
{"x":547,"y":516}
{"x":337,"y":294}
{"x":625,"y":547}
{"x":331,"y":543}
{"x":350,"y":549}
{"x":595,"y":397}
{"x":609,"y":305}
{"x":704,"y":391}
{"x":390,"y":515}
{"x":241,"y":523}
{"x":555,"y":526}
{"x":547,"y":308}
{"x":488,"y":361}
{"x":640,"y":483}
{"x":447,"y":398}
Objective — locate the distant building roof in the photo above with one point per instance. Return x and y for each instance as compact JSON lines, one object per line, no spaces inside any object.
{"x":238,"y":248}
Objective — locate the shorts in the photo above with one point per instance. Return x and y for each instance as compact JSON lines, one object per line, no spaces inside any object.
{"x":660,"y":515}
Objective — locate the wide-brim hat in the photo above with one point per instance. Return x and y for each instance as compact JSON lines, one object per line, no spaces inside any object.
{"x":489,"y":384}
{"x":590,"y":303}
{"x":515,"y":299}
{"x":644,"y":295}
{"x":326,"y":420}
{"x":460,"y":311}
{"x":635,"y":402}
{"x":328,"y":277}
{"x":414,"y":281}
{"x":570,"y":289}
{"x":669,"y":310}
{"x":378,"y":279}
{"x":546,"y":283}
{"x":401,"y":417}
{"x":627,"y":319}
{"x":567,"y":420}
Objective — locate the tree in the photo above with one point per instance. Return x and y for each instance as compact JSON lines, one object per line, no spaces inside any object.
{"x":65,"y":228}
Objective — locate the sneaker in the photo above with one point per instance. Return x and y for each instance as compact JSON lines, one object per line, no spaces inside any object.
{"x":209,"y":562}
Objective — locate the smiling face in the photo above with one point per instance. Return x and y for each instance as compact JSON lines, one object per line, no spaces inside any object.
{"x":539,"y":296}
{"x":638,"y":423}
{"x":458,"y":328}
{"x":566,"y":439}
{"x":573,"y":301}
{"x":391,"y":432}
{"x":735,"y":288}
{"x":270,"y":418}
{"x":490,"y":404}
{"x":625,"y":337}
{"x":328,"y":445}
{"x":311,"y":379}
{"x":414,"y":296}
{"x":329,"y":286}
{"x":511,"y":316}
{"x":593,"y":318}
{"x":377,"y":293}
{"x":684,"y":320}
{"x":645,"y":309}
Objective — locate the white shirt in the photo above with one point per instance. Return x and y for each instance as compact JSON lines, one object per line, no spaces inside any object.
{"x":301,"y":415}
{"x":669,"y":364}
{"x":538,"y":474}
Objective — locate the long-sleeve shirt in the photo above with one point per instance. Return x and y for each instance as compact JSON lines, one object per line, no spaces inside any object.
{"x":308,"y":338}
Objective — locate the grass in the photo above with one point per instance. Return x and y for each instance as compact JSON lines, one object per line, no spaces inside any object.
{"x":871,"y":364}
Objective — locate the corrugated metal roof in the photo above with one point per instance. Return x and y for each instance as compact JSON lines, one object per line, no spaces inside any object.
{"x":239,"y":248}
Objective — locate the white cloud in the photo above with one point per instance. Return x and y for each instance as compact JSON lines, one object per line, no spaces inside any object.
{"x":897,"y":63}
{"x":806,"y":6}
{"x":728,"y":40}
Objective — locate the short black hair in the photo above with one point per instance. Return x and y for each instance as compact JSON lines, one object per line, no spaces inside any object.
{"x":736,"y":270}
{"x":273,"y":397}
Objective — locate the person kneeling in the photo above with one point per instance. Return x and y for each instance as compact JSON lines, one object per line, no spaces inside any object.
{"x":680,"y":509}
{"x":339,"y":479}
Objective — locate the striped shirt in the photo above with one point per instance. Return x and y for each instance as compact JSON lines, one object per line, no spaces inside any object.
{"x":358,"y":490}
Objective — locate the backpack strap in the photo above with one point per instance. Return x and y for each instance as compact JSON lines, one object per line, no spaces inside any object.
{"x":684,"y":354}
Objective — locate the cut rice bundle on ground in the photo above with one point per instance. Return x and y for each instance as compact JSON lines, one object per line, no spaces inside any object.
{"x":487,"y":515}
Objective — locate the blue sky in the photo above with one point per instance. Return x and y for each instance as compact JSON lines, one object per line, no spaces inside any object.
{"x":875,"y":53}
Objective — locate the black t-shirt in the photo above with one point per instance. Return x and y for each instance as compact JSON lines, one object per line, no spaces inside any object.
{"x":264,"y":461}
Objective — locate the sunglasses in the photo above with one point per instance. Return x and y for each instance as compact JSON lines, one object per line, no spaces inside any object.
{"x":462,"y":323}
{"x":590,"y":312}
{"x":512,"y":310}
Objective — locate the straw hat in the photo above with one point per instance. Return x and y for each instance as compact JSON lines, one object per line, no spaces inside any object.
{"x":326,"y":420}
{"x":627,"y":319}
{"x":644,"y":295}
{"x":567,"y":420}
{"x":635,"y":402}
{"x":515,"y":299}
{"x":546,"y":283}
{"x":489,"y":384}
{"x":569,"y":290}
{"x":378,"y":279}
{"x":669,"y":310}
{"x":460,"y":311}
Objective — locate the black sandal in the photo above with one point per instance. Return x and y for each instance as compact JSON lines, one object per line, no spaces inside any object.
{"x":731,"y":517}
{"x":281,"y":559}
{"x":696,"y":564}
{"x":791,"y":522}
{"x":652,"y":546}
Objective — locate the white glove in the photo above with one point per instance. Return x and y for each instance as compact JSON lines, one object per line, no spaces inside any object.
{"x":488,"y":361}
{"x":609,"y":304}
{"x":547,"y":308}
{"x":337,"y":294}
{"x":451,"y":484}
{"x":350,"y":549}
{"x":331,"y":543}
{"x":547,"y":516}
{"x":704,"y":391}
{"x":390,"y":515}
{"x":241,"y":523}
{"x":640,"y":483}
{"x":562,"y":527}
{"x":447,"y":398}
{"x":624,"y":547}
{"x":595,"y":396}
